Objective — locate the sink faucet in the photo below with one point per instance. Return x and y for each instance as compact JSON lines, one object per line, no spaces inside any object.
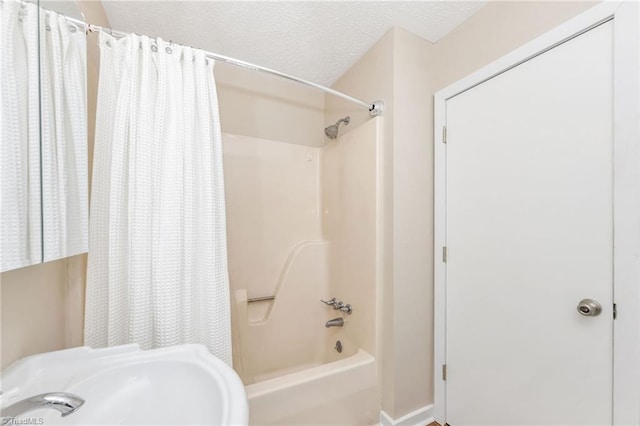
{"x":336,"y":322}
{"x":65,"y":403}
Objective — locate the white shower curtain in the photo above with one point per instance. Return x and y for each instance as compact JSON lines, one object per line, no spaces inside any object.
{"x":157,"y":272}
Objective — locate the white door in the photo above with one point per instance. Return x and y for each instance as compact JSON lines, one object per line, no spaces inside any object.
{"x":529,"y":231}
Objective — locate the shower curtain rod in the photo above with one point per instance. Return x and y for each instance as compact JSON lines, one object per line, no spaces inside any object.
{"x":375,"y":108}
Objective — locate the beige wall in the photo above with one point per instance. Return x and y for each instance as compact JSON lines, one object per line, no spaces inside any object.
{"x":33,"y":310}
{"x":494,"y":31}
{"x":412,"y":223}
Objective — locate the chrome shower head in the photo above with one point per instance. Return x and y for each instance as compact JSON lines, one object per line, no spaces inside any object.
{"x":332,"y":131}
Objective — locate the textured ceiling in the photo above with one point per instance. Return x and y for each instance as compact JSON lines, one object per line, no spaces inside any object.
{"x":316,"y":40}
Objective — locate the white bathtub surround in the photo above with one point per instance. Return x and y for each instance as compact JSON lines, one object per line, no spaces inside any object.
{"x":420,"y":417}
{"x":157,"y":269}
{"x":295,"y":317}
{"x":306,"y":221}
{"x":351,"y":222}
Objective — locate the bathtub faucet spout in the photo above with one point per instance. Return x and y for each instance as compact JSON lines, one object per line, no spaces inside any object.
{"x":336,"y":322}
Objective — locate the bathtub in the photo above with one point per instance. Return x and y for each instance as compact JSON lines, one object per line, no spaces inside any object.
{"x":342,"y":392}
{"x":288,"y":359}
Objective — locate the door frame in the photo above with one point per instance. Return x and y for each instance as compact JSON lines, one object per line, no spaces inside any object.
{"x":626,"y":195}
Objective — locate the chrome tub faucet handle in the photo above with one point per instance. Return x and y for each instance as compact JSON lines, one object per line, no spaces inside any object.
{"x":338,"y":305}
{"x":346,"y":308}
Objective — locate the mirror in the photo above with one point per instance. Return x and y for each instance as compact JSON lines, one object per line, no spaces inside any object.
{"x":44,"y":193}
{"x":63,"y":131}
{"x":20,"y":93}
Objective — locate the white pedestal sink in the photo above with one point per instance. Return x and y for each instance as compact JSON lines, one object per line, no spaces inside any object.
{"x":124,"y":385}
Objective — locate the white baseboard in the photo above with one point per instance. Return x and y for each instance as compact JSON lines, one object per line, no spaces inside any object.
{"x":420,"y":417}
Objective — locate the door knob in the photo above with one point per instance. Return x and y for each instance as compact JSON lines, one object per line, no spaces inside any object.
{"x":589,"y":308}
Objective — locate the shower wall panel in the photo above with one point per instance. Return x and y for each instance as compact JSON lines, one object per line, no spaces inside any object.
{"x":350,"y":222}
{"x":272,"y":205}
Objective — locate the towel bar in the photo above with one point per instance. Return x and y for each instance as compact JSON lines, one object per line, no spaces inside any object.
{"x":260,"y":299}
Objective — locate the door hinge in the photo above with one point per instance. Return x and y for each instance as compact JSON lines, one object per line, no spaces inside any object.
{"x":444,"y":254}
{"x":615,"y":311}
{"x":444,"y":372}
{"x":444,"y":134}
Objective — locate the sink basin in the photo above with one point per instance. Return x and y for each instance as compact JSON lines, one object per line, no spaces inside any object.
{"x":126,"y":385}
